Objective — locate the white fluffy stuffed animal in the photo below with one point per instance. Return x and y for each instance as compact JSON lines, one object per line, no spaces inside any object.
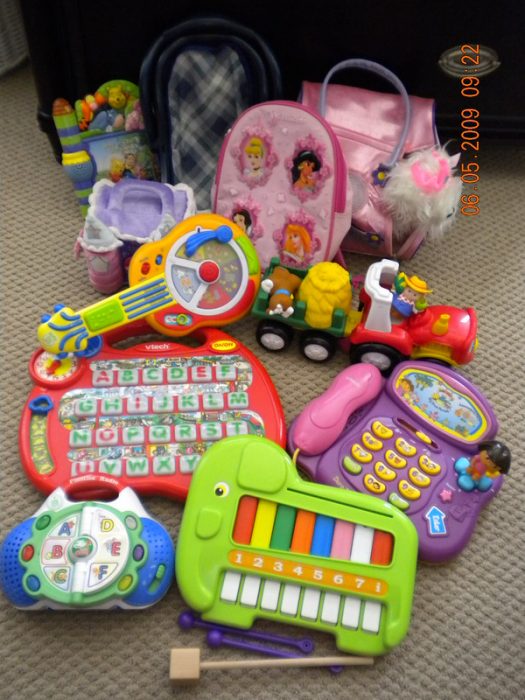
{"x":422,"y":193}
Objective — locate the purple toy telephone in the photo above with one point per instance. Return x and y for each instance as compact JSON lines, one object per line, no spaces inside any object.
{"x":402,"y":439}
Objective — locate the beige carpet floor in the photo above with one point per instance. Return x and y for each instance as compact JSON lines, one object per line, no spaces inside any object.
{"x":466,"y":637}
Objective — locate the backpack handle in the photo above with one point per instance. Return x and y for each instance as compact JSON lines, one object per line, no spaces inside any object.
{"x":380,"y":70}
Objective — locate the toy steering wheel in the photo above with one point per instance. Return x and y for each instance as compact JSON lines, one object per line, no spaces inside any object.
{"x":207,"y":272}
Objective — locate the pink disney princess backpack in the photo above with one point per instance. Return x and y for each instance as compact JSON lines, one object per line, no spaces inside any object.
{"x":281,"y":177}
{"x":403,"y":182}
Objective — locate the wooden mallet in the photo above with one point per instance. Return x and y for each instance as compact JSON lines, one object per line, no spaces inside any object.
{"x":186,"y":664}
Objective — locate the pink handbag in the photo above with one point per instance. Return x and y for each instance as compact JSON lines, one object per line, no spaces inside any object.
{"x":375,"y":131}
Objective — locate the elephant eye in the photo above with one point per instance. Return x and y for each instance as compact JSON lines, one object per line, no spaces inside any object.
{"x":221,"y":489}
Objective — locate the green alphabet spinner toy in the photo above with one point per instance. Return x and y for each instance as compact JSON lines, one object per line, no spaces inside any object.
{"x":256,"y":540}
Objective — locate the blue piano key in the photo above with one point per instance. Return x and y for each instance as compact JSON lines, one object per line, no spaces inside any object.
{"x":323,"y":534}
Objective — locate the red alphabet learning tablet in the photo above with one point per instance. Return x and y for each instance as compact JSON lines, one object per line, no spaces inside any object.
{"x":143,"y":416}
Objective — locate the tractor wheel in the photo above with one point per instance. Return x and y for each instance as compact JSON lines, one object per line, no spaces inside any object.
{"x":383,"y":357}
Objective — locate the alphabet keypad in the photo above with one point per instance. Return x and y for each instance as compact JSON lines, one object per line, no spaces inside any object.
{"x":143,"y":417}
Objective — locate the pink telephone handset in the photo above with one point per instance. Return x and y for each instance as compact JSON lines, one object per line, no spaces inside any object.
{"x":322,"y":420}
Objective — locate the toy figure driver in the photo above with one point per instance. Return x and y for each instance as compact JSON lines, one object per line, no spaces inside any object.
{"x":409,"y":295}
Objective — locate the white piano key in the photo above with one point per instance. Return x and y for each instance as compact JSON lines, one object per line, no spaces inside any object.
{"x":350,"y":616}
{"x":290,"y":599}
{"x":362,"y":544}
{"x":270,"y":595}
{"x":371,"y":616}
{"x":250,"y":591}
{"x":230,"y":586}
{"x":330,"y":608}
{"x":310,"y":605}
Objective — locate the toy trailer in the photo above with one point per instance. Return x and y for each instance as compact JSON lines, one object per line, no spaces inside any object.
{"x":275,"y":335}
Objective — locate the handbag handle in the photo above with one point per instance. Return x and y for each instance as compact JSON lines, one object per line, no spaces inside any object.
{"x":380,"y":70}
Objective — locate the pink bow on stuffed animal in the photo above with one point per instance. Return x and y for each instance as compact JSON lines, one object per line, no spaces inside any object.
{"x":428,"y":181}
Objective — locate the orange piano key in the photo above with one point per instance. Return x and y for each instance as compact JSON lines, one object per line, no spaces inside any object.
{"x":303,"y":532}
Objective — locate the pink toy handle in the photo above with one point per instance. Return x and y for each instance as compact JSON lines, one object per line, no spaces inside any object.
{"x":323,"y":419}
{"x":390,"y":77}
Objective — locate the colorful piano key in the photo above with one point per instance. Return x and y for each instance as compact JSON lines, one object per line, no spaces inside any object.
{"x":283,"y":527}
{"x":304,"y":532}
{"x":262,"y":523}
{"x":245,"y":519}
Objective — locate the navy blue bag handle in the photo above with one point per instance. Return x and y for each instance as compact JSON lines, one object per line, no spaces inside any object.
{"x":191,"y":30}
{"x":251,"y":61}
